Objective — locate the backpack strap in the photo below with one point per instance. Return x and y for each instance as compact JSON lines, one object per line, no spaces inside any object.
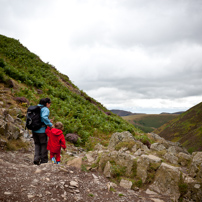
{"x":43,"y":124}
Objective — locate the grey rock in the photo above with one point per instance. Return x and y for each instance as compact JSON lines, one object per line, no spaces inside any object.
{"x":120,"y":137}
{"x":107,"y":169}
{"x":126,"y":184}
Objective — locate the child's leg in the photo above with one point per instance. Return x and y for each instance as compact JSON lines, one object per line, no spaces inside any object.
{"x":51,"y":155}
{"x":58,"y":157}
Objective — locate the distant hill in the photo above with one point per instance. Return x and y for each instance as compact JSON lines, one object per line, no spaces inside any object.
{"x":124,"y":113}
{"x":149,"y":122}
{"x":121,"y":112}
{"x":186,"y":129}
{"x":173,"y":113}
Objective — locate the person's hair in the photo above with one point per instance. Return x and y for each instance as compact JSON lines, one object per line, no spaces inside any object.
{"x":43,"y":101}
{"x":47,"y":100}
{"x":59,"y":125}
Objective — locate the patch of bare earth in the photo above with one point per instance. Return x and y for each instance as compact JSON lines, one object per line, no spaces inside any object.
{"x":21,"y":181}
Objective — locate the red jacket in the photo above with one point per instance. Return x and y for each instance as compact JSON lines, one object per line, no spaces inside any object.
{"x":56,"y":140}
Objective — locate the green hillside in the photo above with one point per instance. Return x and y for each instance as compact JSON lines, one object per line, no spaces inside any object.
{"x":149,"y":122}
{"x":29,"y":77}
{"x":186,"y":129}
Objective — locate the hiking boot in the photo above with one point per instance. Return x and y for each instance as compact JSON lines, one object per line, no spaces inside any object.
{"x":58,"y":162}
{"x":37,"y":163}
{"x":53,"y":160}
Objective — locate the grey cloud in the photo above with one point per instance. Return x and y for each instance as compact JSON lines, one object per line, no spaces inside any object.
{"x":147,"y":23}
{"x":185,"y":84}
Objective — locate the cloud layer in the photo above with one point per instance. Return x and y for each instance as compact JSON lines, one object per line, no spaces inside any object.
{"x":137,"y":55}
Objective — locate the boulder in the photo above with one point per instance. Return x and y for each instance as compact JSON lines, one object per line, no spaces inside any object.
{"x":157,"y":147}
{"x":12,"y":131}
{"x":9,"y":118}
{"x":2,"y":144}
{"x":120,"y":137}
{"x":176,"y":149}
{"x":107,"y":169}
{"x":119,"y":158}
{"x":146,"y":162}
{"x":196,"y":166}
{"x":171,"y":158}
{"x":91,"y":157}
{"x":126,"y":184}
{"x":166,"y":181}
{"x":99,"y":147}
{"x":76,"y":162}
{"x":142,"y":167}
{"x":2,"y":127}
{"x":184,"y":159}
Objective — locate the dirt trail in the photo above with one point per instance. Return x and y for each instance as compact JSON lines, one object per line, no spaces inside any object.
{"x":21,"y":181}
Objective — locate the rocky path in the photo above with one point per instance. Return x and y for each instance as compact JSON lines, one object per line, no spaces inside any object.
{"x":20,"y":181}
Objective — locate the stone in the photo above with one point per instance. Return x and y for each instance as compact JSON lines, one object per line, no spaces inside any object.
{"x":126,"y":184}
{"x":142,"y":167}
{"x":166,"y":181}
{"x":157,"y":200}
{"x":157,"y":147}
{"x":12,"y":131}
{"x":76,"y":162}
{"x":74,"y":184}
{"x":122,"y":159}
{"x":120,"y":137}
{"x":107,"y":170}
{"x":134,"y":148}
{"x":171,"y":158}
{"x":152,"y":158}
{"x":143,"y":164}
{"x":155,"y":137}
{"x":2,"y":144}
{"x":184,"y":159}
{"x":7,"y":193}
{"x":9,"y":118}
{"x":138,"y":152}
{"x":90,"y":157}
{"x":148,"y":191}
{"x":94,"y":176}
{"x":197,"y":186}
{"x":196,"y":165}
{"x":30,"y":196}
{"x":38,"y":170}
{"x":2,"y":127}
{"x":99,"y":147}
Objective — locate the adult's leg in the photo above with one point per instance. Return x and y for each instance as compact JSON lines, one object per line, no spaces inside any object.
{"x":44,"y":151}
{"x":37,"y":153}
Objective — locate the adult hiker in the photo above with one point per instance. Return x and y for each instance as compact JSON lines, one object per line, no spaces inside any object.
{"x":39,"y":136}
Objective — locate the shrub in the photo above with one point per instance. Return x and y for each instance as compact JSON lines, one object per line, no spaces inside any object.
{"x":145,"y":140}
{"x":72,"y":137}
{"x":13,"y":145}
{"x":117,"y":170}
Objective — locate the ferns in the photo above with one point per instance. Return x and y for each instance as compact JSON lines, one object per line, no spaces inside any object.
{"x":75,"y":109}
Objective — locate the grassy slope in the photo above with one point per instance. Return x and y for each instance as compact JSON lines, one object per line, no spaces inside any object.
{"x":79,"y":113}
{"x":149,"y":122}
{"x":186,"y":128}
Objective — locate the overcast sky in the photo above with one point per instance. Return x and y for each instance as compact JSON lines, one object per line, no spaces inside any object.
{"x":143,"y":56}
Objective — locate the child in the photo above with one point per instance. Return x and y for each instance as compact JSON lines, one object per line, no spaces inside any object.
{"x":55,"y":142}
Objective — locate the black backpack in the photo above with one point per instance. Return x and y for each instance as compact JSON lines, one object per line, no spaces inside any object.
{"x":33,"y":121}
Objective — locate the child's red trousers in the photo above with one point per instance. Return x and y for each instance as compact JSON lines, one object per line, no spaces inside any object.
{"x":56,"y":155}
